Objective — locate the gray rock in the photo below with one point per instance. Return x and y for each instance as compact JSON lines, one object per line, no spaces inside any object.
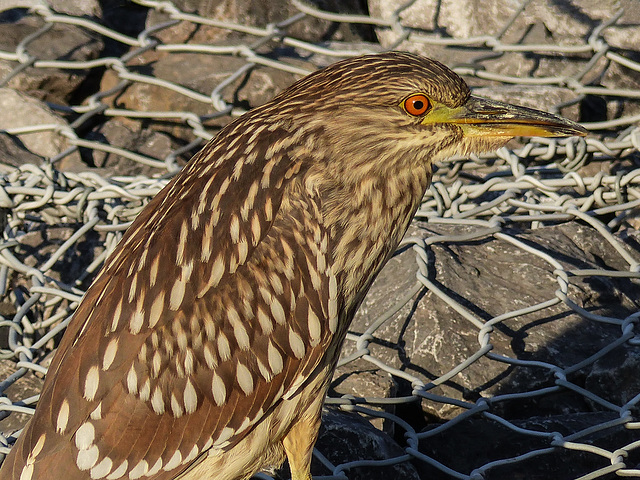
{"x":39,"y":243}
{"x":61,"y":42}
{"x":347,"y":437}
{"x":23,"y":388}
{"x":428,"y":338}
{"x":566,"y":21}
{"x":14,"y":153}
{"x":477,"y":441}
{"x":614,"y":377}
{"x":259,"y":13}
{"x":19,"y":110}
{"x":545,"y":22}
{"x":78,"y":8}
{"x":202,"y":73}
{"x":133,"y":137}
{"x":362,"y":379}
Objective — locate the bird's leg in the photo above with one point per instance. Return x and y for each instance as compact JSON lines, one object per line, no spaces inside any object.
{"x":298,"y":445}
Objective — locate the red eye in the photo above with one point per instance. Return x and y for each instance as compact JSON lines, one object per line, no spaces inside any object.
{"x":416,"y":105}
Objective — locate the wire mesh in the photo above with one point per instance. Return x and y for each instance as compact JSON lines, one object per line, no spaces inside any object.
{"x":555,"y":220}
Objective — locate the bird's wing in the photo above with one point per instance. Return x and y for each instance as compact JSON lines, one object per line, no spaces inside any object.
{"x":197,"y":326}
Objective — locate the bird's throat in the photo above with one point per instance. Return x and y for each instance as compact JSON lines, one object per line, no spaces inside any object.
{"x":367,"y":217}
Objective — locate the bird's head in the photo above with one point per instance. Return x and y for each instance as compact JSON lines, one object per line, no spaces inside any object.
{"x":398,"y":106}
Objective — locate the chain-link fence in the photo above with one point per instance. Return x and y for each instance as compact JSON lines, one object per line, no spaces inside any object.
{"x":501,"y":340}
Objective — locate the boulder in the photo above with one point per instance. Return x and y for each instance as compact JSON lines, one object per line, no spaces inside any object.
{"x":19,"y":110}
{"x":427,"y":337}
{"x":13,"y":153}
{"x":133,"y":137}
{"x":549,"y":21}
{"x":258,"y":13}
{"x":201,"y":73}
{"x":61,"y":42}
{"x":76,"y":8}
{"x":476,"y":441}
{"x":545,"y":22}
{"x":23,"y":388}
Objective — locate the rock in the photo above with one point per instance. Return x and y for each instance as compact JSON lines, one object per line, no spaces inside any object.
{"x":617,"y":76}
{"x":61,"y":42}
{"x":483,"y":441}
{"x":457,"y":18}
{"x":563,"y":21}
{"x":347,"y":437}
{"x":202,"y":73}
{"x":362,"y":379}
{"x":81,"y":8}
{"x":76,"y":8}
{"x":14,"y":153}
{"x":546,"y":22}
{"x":39,"y":243}
{"x":18,"y":110}
{"x":133,"y":137}
{"x":259,"y":13}
{"x":23,"y":388}
{"x":574,"y":21}
{"x":427,"y":338}
{"x":614,"y":377}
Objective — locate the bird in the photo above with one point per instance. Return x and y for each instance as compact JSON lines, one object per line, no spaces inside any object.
{"x":205,"y":345}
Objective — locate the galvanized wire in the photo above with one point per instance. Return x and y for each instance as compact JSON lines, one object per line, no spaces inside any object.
{"x":493,"y":196}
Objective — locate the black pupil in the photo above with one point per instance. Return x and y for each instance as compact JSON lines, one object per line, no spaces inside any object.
{"x":418,"y":104}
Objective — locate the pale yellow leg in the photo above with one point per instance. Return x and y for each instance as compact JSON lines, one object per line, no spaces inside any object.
{"x":298,"y":445}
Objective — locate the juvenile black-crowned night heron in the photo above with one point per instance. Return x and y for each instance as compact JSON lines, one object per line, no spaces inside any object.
{"x":204,"y":348}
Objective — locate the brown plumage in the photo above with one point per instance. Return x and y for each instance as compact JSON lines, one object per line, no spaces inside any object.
{"x":205,"y":346}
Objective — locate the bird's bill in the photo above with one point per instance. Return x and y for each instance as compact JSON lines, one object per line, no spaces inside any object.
{"x":484,"y":117}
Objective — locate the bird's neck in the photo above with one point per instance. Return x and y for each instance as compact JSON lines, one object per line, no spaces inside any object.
{"x":366,"y":214}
